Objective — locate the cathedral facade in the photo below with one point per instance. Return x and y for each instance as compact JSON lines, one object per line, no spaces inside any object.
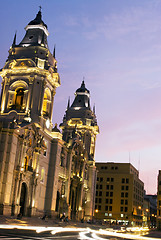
{"x":43,"y":170}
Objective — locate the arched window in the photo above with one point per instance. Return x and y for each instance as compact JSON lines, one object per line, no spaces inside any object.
{"x":46,"y":102}
{"x":19,"y":95}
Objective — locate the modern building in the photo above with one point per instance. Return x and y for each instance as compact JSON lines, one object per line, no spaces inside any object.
{"x":119,"y":194}
{"x":43,"y":171}
{"x":152,"y":200}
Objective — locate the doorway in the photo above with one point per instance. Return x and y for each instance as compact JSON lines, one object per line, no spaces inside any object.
{"x":23,"y":198}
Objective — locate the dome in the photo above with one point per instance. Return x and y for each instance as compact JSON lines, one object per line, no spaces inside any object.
{"x":38,"y":20}
{"x":82,"y":89}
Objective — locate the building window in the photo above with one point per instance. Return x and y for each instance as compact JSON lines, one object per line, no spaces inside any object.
{"x":106,"y":208}
{"x":127,"y":187}
{"x":99,"y":207}
{"x":111,"y":201}
{"x":122,"y":201}
{"x":121,"y":209}
{"x":100,"y":200}
{"x":96,"y":200}
{"x":126,"y":202}
{"x":126,"y":194}
{"x":111,"y":187}
{"x":107,"y":187}
{"x":97,"y":186}
{"x":107,"y":200}
{"x":126,"y":209}
{"x":127,"y":180}
{"x":100,"y":193}
{"x":101,"y":179}
{"x":95,"y":206}
{"x":101,"y":186}
{"x":122,"y":187}
{"x":96,"y":193}
{"x":123,"y":180}
{"x":112,"y":179}
{"x":111,"y":194}
{"x":110,"y":208}
{"x":97,"y":178}
{"x":122,"y":194}
{"x":107,"y":194}
{"x":108,"y":179}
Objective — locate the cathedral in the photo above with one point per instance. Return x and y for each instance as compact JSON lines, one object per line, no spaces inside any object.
{"x":43,"y":171}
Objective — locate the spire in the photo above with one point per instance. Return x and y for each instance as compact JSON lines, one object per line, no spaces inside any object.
{"x":68,"y":106}
{"x":14,"y":40}
{"x":94,"y":109}
{"x":54,"y":51}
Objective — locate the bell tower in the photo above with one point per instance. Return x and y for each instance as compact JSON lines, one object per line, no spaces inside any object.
{"x":30,"y":78}
{"x":80,"y":118}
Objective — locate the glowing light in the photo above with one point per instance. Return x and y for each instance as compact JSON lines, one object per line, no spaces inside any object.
{"x":83,"y":232}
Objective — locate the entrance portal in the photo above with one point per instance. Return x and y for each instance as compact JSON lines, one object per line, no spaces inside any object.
{"x":23,"y":198}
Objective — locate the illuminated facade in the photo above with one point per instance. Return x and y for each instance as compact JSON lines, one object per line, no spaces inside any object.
{"x":119,"y":194}
{"x":42,"y":170}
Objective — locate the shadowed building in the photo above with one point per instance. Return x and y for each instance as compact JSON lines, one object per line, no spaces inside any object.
{"x":43,"y":171}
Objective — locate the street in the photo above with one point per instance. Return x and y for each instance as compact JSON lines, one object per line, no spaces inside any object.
{"x":73,"y":233}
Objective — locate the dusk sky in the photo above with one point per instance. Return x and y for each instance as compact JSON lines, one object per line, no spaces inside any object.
{"x":116,"y":46}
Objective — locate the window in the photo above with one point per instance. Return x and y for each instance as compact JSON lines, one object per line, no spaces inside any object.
{"x":122,"y":194}
{"x":101,"y":179}
{"x":127,"y":187}
{"x":97,"y":178}
{"x":97,"y":186}
{"x":96,"y":193}
{"x":121,"y":209}
{"x":107,"y":187}
{"x":122,"y":201}
{"x":122,"y":187}
{"x":107,"y":200}
{"x":123,"y":180}
{"x":101,"y":186}
{"x":111,"y":194}
{"x":106,"y":208}
{"x":127,"y":180}
{"x":111,"y":201}
{"x":100,"y":200}
{"x":99,"y":207}
{"x":112,"y":179}
{"x":126,"y":209}
{"x":111,"y":187}
{"x":126,"y":202}
{"x":96,"y":200}
{"x":46,"y":102}
{"x":95,"y":206}
{"x":107,"y":194}
{"x":19,"y":97}
{"x":110,"y":208}
{"x":126,"y":194}
{"x":100,"y":193}
{"x":108,"y":179}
